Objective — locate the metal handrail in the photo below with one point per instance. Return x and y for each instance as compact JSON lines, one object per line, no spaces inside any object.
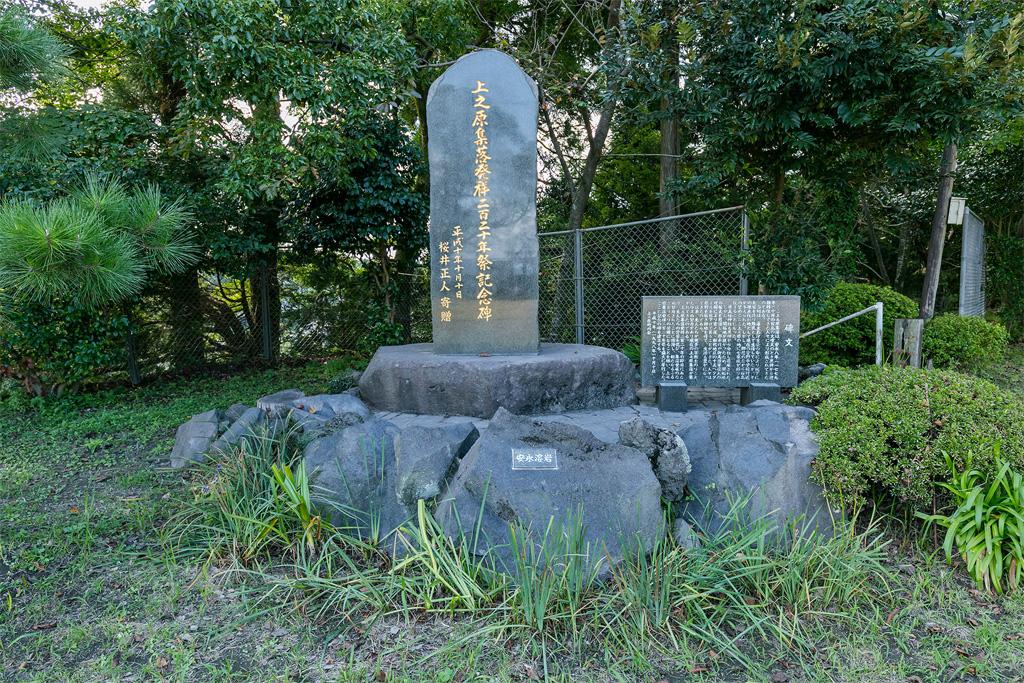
{"x":650,"y":220}
{"x":879,"y":309}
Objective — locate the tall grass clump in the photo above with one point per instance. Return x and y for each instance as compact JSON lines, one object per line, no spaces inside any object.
{"x":250,"y":502}
{"x":748,"y":585}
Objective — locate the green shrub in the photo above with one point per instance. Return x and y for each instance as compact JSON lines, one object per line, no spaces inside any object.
{"x":951,"y":341}
{"x":988,"y":523}
{"x":53,"y":348}
{"x":883,"y":430}
{"x":853,"y":342}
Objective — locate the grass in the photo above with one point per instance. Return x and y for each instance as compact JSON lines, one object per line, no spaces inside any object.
{"x":112,"y":568}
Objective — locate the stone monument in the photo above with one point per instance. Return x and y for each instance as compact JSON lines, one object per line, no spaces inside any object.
{"x":486,"y":352}
{"x":483,"y":210}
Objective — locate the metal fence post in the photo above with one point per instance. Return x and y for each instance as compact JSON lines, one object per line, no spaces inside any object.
{"x":744,"y":251}
{"x":577,"y":245}
{"x":879,"y":331}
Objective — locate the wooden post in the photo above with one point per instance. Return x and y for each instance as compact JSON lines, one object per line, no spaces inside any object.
{"x":938,"y":238}
{"x":906,"y":347}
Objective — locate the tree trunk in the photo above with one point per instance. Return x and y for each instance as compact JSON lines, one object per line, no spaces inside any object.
{"x":581,"y":189}
{"x":869,"y":222}
{"x":938,"y":238}
{"x":669,"y":121}
{"x":187,"y":348}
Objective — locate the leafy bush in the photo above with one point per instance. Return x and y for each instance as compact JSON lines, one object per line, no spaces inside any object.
{"x":988,"y":523}
{"x":52,"y":348}
{"x":883,"y":430}
{"x":951,"y":341}
{"x":853,"y":342}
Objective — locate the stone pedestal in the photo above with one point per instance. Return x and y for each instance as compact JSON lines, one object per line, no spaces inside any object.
{"x":562,"y":377}
{"x":760,"y":391}
{"x":672,"y":396}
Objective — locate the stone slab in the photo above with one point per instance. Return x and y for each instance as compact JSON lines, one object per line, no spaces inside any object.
{"x":720,"y":341}
{"x":673,"y":396}
{"x":562,"y":377}
{"x":484,"y":255}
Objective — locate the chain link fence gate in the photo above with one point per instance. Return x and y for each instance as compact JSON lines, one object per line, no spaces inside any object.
{"x":592,"y":280}
{"x":972,"y":266}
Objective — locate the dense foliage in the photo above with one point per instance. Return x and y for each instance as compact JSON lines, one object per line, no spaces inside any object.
{"x":963,"y":343}
{"x":1005,"y":280}
{"x":853,"y":342}
{"x":52,"y":348}
{"x":885,"y":431}
{"x":65,"y":264}
{"x":298,"y":133}
{"x":95,"y":247}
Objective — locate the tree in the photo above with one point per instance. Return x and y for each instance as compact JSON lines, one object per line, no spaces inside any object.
{"x":95,"y":248}
{"x":68,"y":266}
{"x":256,"y":80}
{"x":28,"y":53}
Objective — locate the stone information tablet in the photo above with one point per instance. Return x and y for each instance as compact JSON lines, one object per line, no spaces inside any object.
{"x":482,"y":117}
{"x":720,"y":341}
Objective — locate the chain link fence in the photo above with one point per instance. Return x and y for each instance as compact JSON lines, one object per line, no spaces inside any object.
{"x":210,"y":320}
{"x":591,"y":284}
{"x":592,"y":280}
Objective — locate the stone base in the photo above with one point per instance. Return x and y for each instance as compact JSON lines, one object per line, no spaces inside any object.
{"x":672,"y":397}
{"x":760,"y":391}
{"x":562,"y":377}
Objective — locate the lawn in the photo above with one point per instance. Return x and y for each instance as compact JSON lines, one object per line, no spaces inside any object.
{"x":94,"y":586}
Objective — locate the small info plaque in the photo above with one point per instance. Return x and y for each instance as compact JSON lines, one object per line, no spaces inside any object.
{"x":720,"y":341}
{"x":534,"y":458}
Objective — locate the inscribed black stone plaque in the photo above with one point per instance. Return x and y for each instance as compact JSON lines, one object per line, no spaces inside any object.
{"x":720,"y":341}
{"x":482,"y":117}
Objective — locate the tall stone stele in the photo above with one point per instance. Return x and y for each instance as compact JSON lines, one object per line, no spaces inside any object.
{"x":486,"y":354}
{"x":482,"y":122}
